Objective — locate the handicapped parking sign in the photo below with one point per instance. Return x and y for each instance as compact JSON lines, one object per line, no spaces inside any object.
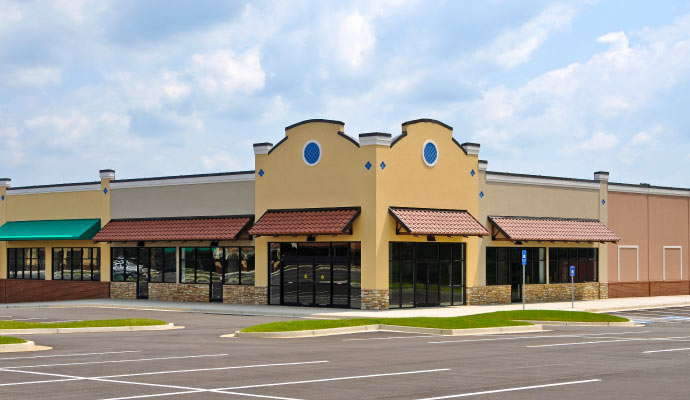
{"x":572,"y":270}
{"x":524,"y":257}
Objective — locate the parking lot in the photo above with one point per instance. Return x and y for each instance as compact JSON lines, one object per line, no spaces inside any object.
{"x":644,"y":362}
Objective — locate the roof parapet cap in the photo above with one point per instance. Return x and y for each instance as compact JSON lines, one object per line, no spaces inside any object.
{"x":107,"y":174}
{"x":471,"y":148}
{"x":483,"y":165}
{"x":601,"y":176}
{"x":375,"y":138}
{"x":262,"y":148}
{"x":5,"y":182}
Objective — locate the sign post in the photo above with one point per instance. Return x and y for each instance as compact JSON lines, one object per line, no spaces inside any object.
{"x":524,"y":263}
{"x":572,"y":286}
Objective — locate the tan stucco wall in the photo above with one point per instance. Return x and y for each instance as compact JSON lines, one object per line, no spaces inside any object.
{"x":341,"y":179}
{"x":50,"y":206}
{"x":338,"y":180}
{"x":511,"y":199}
{"x":649,"y":222}
{"x":228,"y":198}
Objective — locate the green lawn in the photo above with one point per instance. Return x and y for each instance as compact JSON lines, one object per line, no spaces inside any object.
{"x":81,"y":324}
{"x":495,"y":319}
{"x":550,"y":315}
{"x":11,"y":340}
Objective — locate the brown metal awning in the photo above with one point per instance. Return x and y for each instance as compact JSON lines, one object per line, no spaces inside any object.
{"x":306,"y":221}
{"x":431,"y":221}
{"x":182,"y":228}
{"x":550,"y":229}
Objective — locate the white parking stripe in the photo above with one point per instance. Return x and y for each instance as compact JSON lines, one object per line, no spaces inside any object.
{"x":116,"y":361}
{"x":663,"y":351}
{"x":539,"y":337}
{"x":578,"y":343}
{"x":186,"y":389}
{"x":343,"y":378}
{"x":162,"y":372}
{"x":388,"y":338}
{"x":73,"y":355}
{"x":515,"y":389}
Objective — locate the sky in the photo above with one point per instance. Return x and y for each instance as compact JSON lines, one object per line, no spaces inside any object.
{"x":168,"y":87}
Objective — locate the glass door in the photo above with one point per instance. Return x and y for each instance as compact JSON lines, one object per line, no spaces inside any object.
{"x":216,"y":289}
{"x":143,"y":274}
{"x":515,"y":275}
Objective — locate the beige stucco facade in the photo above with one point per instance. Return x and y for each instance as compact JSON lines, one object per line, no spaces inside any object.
{"x":233,"y":197}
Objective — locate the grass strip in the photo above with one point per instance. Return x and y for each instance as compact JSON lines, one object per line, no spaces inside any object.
{"x":487,"y":320}
{"x":552,"y":315}
{"x":11,"y":340}
{"x":101,"y":323}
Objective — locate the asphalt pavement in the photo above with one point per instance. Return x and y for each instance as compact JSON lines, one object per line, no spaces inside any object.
{"x":646,"y":362}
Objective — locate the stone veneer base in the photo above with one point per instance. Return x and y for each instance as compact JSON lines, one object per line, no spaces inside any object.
{"x":375,"y":299}
{"x":540,"y":293}
{"x":245,"y":294}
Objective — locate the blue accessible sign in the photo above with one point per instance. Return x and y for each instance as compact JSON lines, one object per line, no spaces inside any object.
{"x":524,"y":257}
{"x":572,"y":270}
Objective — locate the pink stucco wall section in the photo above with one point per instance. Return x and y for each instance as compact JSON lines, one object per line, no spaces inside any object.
{"x":649,"y":222}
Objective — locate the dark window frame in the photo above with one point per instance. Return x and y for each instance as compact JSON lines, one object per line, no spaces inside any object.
{"x":531,"y":269}
{"x":395,"y":255}
{"x":224,"y":262}
{"x":584,"y":254}
{"x":138,"y":262}
{"x":40,"y":263}
{"x":353,"y":258}
{"x":58,"y":266}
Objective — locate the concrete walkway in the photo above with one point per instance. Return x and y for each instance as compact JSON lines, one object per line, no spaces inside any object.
{"x":314,"y":312}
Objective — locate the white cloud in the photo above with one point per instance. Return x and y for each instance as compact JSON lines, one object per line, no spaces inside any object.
{"x":600,"y":141}
{"x":602,"y":91}
{"x":34,"y":77}
{"x":223,"y":71}
{"x":517,"y":46}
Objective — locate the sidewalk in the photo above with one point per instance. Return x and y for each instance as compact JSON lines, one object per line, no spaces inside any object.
{"x":314,"y":312}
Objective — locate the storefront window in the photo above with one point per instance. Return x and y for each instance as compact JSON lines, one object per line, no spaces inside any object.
{"x":585,"y":261}
{"x":143,"y":264}
{"x":504,"y":265}
{"x":26,"y":263}
{"x":77,"y":264}
{"x":426,"y":274}
{"x":231,"y":265}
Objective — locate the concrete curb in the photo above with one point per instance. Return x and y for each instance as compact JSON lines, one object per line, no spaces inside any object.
{"x":570,"y":323}
{"x":389,"y":328}
{"x":26,"y":346}
{"x":43,"y":331}
{"x":639,"y":307}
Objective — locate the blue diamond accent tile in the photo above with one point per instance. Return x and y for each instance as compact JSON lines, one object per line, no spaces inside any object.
{"x":472,"y":173}
{"x":3,"y":197}
{"x":603,"y":202}
{"x":105,"y":190}
{"x":261,"y":172}
{"x":383,"y":165}
{"x":481,"y":195}
{"x":367,"y":165}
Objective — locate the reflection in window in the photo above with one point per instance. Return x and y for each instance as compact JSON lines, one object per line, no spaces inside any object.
{"x":232,"y":265}
{"x":26,"y":263}
{"x":77,"y":264}
{"x":585,"y":261}
{"x":143,"y":264}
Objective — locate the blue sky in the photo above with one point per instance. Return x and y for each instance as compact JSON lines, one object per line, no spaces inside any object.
{"x":153,"y":88}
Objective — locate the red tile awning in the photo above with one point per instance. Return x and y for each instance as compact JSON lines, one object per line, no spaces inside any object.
{"x":183,"y":228}
{"x":306,"y":221}
{"x":551,"y":229}
{"x":429,"y":221}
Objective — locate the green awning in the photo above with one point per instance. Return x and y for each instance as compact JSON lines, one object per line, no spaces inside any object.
{"x":59,"y":229}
